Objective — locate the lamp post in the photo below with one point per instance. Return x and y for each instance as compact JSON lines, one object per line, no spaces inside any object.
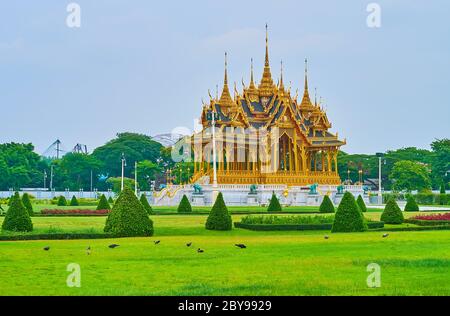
{"x":135,"y":179}
{"x":380,"y":196}
{"x":124,"y":163}
{"x":45,"y":179}
{"x":51,"y":177}
{"x":213,"y":117}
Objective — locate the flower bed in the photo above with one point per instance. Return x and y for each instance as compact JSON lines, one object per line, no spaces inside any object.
{"x":75,"y":212}
{"x":430,"y":220}
{"x":434,"y":217}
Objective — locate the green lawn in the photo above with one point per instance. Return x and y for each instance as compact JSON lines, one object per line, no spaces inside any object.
{"x":275,"y":263}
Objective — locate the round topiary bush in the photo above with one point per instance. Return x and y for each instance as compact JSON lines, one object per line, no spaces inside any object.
{"x":74,"y":201}
{"x":219,"y":218}
{"x":145,"y":204}
{"x":184,"y":206}
{"x":128,"y":218}
{"x":17,"y":217}
{"x":103,"y":203}
{"x":392,"y":214}
{"x":411,"y":205}
{"x":348,"y":217}
{"x":62,"y":201}
{"x":274,"y":205}
{"x":361,"y":204}
{"x":326,"y":206}
{"x":27,"y":203}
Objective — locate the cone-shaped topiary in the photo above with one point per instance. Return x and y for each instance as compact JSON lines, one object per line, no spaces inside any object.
{"x":103,"y":203}
{"x":128,"y":218}
{"x":74,"y":201}
{"x":27,"y":203}
{"x":110,"y":201}
{"x":145,"y":204}
{"x":184,"y":206}
{"x":361,"y":204}
{"x":17,"y":217}
{"x":274,"y":205}
{"x":348,"y":217}
{"x":392,"y":214}
{"x":62,"y":201}
{"x":411,"y":205}
{"x":219,"y":218}
{"x":326,"y":206}
{"x":442,"y":188}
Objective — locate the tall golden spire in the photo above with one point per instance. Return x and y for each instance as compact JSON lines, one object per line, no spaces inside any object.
{"x":266,"y":86}
{"x":306,"y":101}
{"x":281,"y":87}
{"x":225,"y":98}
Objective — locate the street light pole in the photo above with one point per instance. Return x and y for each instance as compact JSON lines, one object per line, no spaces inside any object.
{"x":123,"y":171}
{"x":51,"y":177}
{"x":135,"y":179}
{"x":213,"y":123}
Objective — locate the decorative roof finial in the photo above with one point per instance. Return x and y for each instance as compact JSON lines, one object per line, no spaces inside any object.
{"x":306,"y":101}
{"x":281,"y":76}
{"x":225,"y":98}
{"x":266,"y":87}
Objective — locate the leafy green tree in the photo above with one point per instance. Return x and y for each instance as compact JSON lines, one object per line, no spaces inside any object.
{"x":145,"y":204}
{"x":76,"y":170}
{"x":411,"y":205}
{"x":17,"y":217}
{"x":27,"y":203}
{"x":219,"y":218}
{"x":185,"y":205}
{"x":147,"y":172}
{"x":441,"y":161}
{"x":116,"y":183}
{"x":392,"y":214}
{"x":409,"y":175}
{"x":103,"y":203}
{"x":348,"y":216}
{"x":128,"y":218}
{"x":326,"y":206}
{"x":135,"y":147}
{"x":361,"y":204}
{"x":62,"y":201}
{"x":274,"y":205}
{"x":74,"y":201}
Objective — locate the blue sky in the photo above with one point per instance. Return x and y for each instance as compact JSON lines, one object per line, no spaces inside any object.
{"x":144,"y":66}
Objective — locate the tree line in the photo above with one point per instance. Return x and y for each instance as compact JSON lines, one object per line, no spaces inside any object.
{"x":21,"y":167}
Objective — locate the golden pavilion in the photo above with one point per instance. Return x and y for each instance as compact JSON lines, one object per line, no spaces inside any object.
{"x":264,"y":135}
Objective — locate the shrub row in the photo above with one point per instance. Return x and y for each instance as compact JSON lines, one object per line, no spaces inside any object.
{"x":421,"y":198}
{"x":291,"y":227}
{"x":57,"y":236}
{"x":75,"y":212}
{"x":414,"y":228}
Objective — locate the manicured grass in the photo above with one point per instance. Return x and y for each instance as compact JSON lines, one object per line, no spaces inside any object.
{"x":275,"y":263}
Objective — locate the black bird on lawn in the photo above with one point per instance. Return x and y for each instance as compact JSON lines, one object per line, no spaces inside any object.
{"x":200,"y":250}
{"x":385,"y":235}
{"x":242,"y":246}
{"x":189,"y":244}
{"x":326,"y":237}
{"x":47,"y":248}
{"x":113,"y":246}
{"x":157,"y":242}
{"x":88,"y":250}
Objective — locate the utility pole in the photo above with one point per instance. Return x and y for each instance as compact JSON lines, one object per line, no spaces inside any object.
{"x":45,"y":179}
{"x":380,"y":196}
{"x":91,"y":180}
{"x":123,"y":171}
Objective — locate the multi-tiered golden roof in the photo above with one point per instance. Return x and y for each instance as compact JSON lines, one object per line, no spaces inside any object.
{"x":302,"y":152}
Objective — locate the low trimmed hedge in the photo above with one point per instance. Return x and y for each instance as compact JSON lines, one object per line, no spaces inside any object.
{"x":290,"y":227}
{"x":413,"y":228}
{"x":57,"y":236}
{"x":57,"y":212}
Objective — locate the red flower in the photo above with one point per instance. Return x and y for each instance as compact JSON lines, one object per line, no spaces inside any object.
{"x":434,"y":217}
